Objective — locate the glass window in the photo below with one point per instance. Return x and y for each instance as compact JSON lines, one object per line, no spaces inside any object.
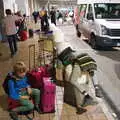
{"x":90,"y":12}
{"x":82,"y":10}
{"x":107,"y":10}
{"x":90,"y":8}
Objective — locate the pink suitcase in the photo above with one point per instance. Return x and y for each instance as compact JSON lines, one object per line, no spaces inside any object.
{"x":48,"y":96}
{"x":35,"y":78}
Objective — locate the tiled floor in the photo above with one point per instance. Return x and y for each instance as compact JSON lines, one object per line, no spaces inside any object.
{"x":64,"y":111}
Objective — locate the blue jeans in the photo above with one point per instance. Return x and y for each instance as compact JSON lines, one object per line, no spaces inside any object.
{"x":12,"y":40}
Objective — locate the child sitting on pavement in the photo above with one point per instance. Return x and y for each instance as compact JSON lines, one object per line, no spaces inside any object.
{"x":19,"y":89}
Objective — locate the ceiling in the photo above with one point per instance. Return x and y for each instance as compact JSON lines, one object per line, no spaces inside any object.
{"x":58,"y":2}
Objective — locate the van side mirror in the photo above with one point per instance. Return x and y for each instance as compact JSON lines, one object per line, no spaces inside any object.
{"x":90,"y":16}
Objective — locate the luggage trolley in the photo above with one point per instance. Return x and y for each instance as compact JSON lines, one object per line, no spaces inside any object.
{"x":47,"y":50}
{"x":44,"y":53}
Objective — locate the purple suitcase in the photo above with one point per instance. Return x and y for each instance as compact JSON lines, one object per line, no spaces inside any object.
{"x":48,"y":96}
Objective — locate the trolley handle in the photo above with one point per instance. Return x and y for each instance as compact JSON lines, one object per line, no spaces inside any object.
{"x":31,"y":46}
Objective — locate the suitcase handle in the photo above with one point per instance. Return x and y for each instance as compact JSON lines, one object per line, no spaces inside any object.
{"x":31,"y":46}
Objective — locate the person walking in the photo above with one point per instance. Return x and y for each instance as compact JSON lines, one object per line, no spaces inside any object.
{"x":53,"y":16}
{"x":77,"y":21}
{"x":44,"y":20}
{"x":11,"y":30}
{"x":35,"y":16}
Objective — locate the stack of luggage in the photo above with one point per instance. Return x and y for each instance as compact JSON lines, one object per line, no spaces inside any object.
{"x":42,"y":80}
{"x":41,"y":73}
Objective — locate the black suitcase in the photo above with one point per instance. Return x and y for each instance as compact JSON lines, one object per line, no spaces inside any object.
{"x":31,"y":33}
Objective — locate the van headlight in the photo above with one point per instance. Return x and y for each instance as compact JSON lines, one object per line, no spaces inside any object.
{"x":104,"y":30}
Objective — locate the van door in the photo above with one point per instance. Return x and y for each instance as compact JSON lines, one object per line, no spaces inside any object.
{"x":89,"y":21}
{"x":82,"y":13}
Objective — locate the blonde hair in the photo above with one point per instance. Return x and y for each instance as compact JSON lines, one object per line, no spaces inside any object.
{"x":20,"y":67}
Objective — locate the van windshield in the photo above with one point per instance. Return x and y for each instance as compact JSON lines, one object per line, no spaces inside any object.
{"x":107,"y":10}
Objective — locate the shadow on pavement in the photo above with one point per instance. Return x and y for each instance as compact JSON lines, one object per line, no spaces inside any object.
{"x":107,"y":49}
{"x":112,"y":53}
{"x":100,"y":49}
{"x":4,"y":58}
{"x":111,"y":103}
{"x":117,"y":70}
{"x":3,"y":102}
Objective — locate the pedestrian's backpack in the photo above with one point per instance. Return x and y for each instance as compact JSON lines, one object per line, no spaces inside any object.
{"x":17,"y":23}
{"x":42,"y":13}
{"x":5,"y":83}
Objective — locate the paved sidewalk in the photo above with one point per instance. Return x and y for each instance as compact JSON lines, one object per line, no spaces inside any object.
{"x":63,"y":110}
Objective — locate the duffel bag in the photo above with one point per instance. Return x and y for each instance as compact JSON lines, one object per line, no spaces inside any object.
{"x":36,"y":75}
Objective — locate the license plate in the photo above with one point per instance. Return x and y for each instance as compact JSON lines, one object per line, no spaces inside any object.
{"x":118,"y":44}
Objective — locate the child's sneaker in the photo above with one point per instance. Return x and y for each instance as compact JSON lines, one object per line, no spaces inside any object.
{"x":13,"y":115}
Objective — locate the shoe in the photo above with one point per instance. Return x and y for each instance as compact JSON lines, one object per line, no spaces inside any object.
{"x":38,"y":109}
{"x":13,"y":115}
{"x":16,"y":50}
{"x":89,"y":101}
{"x":12,"y":54}
{"x":98,"y":92}
{"x":15,"y":53}
{"x":80,"y":110}
{"x":0,"y":54}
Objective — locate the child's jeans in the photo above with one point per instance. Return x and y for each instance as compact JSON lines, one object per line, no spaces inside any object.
{"x":26,"y":104}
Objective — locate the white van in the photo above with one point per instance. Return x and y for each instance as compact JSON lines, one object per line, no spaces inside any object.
{"x":100,"y":22}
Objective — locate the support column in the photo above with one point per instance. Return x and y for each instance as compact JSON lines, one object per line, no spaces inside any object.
{"x":30,"y":2}
{"x":2,"y":33}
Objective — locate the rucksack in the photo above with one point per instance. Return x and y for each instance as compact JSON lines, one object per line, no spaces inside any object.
{"x":42,"y":13}
{"x":5,"y":83}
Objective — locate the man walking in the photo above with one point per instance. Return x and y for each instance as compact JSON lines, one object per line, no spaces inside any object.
{"x":11,"y":30}
{"x":53,"y":16}
{"x":35,"y":16}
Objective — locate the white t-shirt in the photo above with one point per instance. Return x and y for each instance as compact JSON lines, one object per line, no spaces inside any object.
{"x":9,"y":23}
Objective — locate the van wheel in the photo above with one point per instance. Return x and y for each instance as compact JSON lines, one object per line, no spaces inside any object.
{"x":93,"y":42}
